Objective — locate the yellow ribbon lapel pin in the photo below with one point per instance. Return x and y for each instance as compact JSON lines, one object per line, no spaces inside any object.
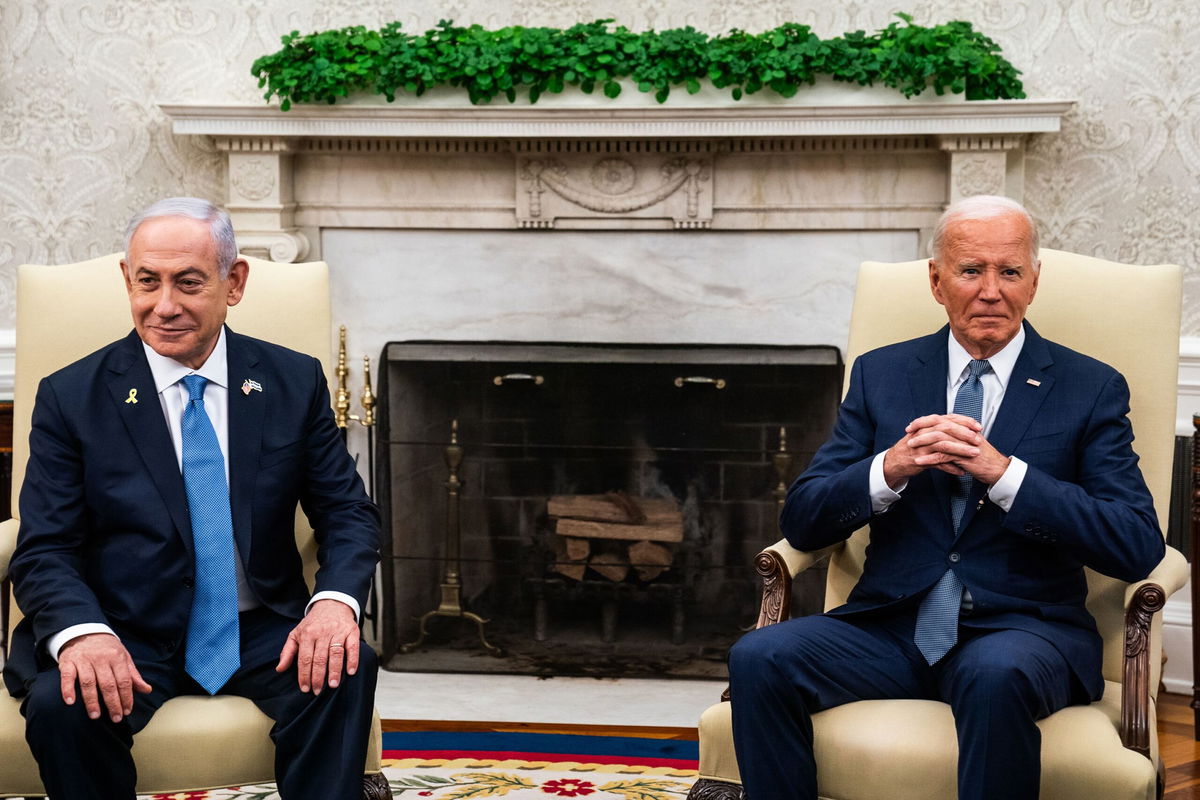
{"x":132,"y":397}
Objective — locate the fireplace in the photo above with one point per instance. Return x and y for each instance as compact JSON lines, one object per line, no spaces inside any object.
{"x":697,"y":427}
{"x":740,"y":224}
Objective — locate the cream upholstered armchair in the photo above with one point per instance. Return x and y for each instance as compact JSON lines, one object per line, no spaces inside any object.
{"x":1127,"y":316}
{"x":64,"y":313}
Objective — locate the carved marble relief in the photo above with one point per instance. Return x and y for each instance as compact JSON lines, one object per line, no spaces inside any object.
{"x":568,"y":188}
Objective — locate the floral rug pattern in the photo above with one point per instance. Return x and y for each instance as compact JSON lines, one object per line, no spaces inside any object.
{"x":472,"y":779}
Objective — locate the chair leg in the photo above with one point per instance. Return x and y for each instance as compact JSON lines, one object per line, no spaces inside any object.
{"x":708,"y":789}
{"x":375,"y":787}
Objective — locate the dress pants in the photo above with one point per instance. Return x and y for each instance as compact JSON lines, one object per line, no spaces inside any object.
{"x":320,"y":740}
{"x":998,"y":683}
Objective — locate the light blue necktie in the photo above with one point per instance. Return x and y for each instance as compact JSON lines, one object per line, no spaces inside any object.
{"x":212,"y":636}
{"x":937,"y":619}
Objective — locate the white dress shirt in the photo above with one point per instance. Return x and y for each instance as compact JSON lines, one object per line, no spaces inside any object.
{"x":173,"y":397}
{"x":1004,"y":491}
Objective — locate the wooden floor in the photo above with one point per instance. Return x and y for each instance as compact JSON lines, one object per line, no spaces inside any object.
{"x":1180,"y":751}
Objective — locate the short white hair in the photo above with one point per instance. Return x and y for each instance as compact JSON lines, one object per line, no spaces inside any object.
{"x":982,"y":206}
{"x":219,"y":225}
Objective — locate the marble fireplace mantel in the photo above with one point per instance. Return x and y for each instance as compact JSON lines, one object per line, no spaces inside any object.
{"x":743,"y":166}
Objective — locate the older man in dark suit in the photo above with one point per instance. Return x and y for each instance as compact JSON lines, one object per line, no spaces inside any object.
{"x":992,"y":466}
{"x":156,"y":554}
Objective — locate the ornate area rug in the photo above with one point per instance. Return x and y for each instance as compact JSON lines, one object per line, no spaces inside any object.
{"x":464,"y":761}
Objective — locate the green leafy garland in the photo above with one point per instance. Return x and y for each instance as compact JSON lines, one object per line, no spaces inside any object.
{"x":325,"y":66}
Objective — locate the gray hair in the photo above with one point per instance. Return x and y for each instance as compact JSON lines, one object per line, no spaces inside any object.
{"x":979,"y":207}
{"x":219,"y":225}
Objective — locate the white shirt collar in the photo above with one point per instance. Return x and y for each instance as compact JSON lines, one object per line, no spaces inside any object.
{"x":168,"y":371}
{"x":1002,"y":363}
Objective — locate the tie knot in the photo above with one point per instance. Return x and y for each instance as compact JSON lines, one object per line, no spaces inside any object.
{"x":977,"y":367}
{"x":195,"y":385}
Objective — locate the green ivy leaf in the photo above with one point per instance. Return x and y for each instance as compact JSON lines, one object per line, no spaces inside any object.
{"x":328,"y":65}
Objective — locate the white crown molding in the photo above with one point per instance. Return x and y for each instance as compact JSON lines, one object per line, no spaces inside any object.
{"x":736,"y":120}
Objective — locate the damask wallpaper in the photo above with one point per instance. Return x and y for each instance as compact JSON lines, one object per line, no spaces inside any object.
{"x":83,"y":144}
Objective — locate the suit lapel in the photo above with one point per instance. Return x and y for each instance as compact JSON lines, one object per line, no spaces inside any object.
{"x":142,"y":415}
{"x":247,"y":411}
{"x":927,"y":383}
{"x":1022,"y":401}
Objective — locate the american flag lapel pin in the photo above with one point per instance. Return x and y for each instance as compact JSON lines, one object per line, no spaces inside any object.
{"x":1032,"y":382}
{"x":249,"y":386}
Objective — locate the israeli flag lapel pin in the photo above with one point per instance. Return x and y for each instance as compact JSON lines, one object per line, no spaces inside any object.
{"x":249,"y":386}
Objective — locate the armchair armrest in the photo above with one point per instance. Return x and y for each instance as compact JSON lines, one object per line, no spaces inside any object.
{"x":8,"y":543}
{"x":778,"y":564}
{"x":1143,"y":600}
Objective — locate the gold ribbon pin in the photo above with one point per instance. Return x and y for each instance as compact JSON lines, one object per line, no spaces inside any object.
{"x":132,"y":397}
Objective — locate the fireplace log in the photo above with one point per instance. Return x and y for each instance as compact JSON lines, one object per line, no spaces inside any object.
{"x":610,"y":560}
{"x":654,"y":532}
{"x":576,"y":549}
{"x":565,"y":562}
{"x":649,"y":559}
{"x":613,"y":507}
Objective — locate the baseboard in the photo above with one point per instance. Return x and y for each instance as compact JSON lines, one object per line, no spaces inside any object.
{"x":1177,"y":642}
{"x":1189,"y":385}
{"x":8,"y":361}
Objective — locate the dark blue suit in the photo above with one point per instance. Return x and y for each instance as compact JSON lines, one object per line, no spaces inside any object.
{"x":1083,"y":502}
{"x":105,"y":537}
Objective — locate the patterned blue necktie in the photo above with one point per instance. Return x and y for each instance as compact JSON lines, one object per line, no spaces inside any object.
{"x":937,"y":619}
{"x":212,"y":637}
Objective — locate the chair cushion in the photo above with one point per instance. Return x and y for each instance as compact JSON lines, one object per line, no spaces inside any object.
{"x":198,"y":743}
{"x":907,"y":750}
{"x":191,"y":743}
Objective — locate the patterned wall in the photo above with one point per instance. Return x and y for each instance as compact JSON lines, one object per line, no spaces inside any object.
{"x":83,"y":144}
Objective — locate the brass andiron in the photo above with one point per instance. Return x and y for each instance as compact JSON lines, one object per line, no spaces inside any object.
{"x":341,"y":399}
{"x":451,"y":604}
{"x":343,"y":418}
{"x":367,"y":420}
{"x":782,"y":460}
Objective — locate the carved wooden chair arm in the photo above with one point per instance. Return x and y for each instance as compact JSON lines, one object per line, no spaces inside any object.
{"x":8,"y":543}
{"x":778,"y":564}
{"x":1142,"y":601}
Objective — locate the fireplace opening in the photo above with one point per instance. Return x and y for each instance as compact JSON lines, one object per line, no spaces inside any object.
{"x":599,"y":506}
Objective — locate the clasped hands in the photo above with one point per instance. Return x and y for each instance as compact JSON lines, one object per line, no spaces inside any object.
{"x":323,"y":645}
{"x":953,"y":443}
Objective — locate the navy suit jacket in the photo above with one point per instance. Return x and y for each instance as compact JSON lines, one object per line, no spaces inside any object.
{"x":1083,"y":501}
{"x":105,"y":534}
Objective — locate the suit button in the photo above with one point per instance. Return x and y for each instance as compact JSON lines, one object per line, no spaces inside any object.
{"x":955,"y":558}
{"x":188,"y":583}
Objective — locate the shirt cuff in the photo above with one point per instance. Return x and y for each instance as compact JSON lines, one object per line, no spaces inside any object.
{"x":59,"y":640}
{"x":341,"y":597}
{"x":1004,"y":491}
{"x":882,"y":495}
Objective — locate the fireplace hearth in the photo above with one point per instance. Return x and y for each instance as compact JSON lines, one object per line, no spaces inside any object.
{"x":689,"y":427}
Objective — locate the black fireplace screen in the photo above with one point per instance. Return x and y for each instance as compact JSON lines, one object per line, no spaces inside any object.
{"x":606,"y":502}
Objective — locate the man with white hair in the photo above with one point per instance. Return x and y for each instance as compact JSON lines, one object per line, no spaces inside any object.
{"x":156,"y":555}
{"x":992,"y":466}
